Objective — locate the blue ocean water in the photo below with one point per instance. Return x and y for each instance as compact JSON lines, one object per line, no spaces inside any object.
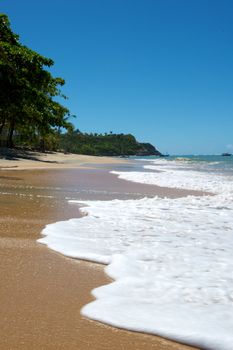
{"x":206,"y":163}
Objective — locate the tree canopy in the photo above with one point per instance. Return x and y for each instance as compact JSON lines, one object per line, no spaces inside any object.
{"x":27,"y":91}
{"x":108,"y":144}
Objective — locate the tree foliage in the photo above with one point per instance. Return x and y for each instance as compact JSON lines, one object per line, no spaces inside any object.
{"x":104,"y":145}
{"x":27,"y":91}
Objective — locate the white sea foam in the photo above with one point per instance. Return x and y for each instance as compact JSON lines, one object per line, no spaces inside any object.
{"x":174,"y":174}
{"x":171,"y":261}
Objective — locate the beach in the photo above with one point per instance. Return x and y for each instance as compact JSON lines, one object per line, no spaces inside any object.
{"x":116,"y":176}
{"x":42,"y":291}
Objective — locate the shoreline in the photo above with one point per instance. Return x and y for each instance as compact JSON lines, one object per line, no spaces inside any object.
{"x":44,"y":288}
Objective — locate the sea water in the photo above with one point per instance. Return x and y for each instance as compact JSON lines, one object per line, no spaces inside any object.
{"x":171,"y":260}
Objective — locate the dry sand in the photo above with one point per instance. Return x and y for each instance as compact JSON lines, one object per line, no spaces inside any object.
{"x":54,"y":160}
{"x":42,"y":292}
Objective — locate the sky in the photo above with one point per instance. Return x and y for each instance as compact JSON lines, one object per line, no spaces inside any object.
{"x":161,"y":70}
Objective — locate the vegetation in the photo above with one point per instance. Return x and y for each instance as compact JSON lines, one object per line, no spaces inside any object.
{"x":27,"y":90}
{"x":106,"y":145}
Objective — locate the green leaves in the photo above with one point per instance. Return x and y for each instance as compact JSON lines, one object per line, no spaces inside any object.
{"x":103,"y":145}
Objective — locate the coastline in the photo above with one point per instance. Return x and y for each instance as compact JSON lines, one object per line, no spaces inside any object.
{"x":42,"y":291}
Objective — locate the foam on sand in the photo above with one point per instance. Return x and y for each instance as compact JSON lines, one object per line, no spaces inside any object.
{"x":171,"y":261}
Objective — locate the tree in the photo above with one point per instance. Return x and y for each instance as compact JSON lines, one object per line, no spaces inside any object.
{"x":104,"y":145}
{"x":27,"y":90}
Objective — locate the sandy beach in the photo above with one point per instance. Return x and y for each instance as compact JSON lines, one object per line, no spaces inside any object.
{"x":22,"y":160}
{"x":42,"y":292}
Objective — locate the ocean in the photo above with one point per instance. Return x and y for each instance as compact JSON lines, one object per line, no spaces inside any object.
{"x":170,"y":259}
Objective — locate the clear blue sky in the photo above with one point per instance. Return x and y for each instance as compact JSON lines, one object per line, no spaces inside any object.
{"x":159,"y":69}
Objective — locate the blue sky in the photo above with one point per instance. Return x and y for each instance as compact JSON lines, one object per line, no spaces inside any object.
{"x":159,"y":69}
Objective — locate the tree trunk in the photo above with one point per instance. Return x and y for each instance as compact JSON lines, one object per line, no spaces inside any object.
{"x":1,"y":128}
{"x":10,"y":133}
{"x":42,"y":145}
{"x":2,"y":124}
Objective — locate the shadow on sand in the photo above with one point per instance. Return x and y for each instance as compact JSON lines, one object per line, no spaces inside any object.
{"x":17,"y":154}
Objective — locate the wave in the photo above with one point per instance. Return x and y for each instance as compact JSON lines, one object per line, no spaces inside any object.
{"x":171,"y":259}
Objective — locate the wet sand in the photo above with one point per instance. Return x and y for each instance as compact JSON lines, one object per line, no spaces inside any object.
{"x":42,"y":292}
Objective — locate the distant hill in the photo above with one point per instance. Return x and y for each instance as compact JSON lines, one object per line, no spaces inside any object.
{"x":105,"y":144}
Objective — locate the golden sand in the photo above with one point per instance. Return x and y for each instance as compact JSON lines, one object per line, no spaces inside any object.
{"x":42,"y":292}
{"x":54,"y":160}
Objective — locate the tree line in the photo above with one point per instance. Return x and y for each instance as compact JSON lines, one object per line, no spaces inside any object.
{"x":108,"y":144}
